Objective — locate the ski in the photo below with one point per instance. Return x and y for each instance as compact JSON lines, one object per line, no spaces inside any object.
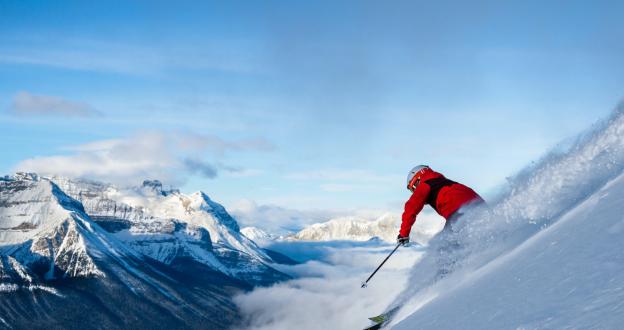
{"x":382,"y":319}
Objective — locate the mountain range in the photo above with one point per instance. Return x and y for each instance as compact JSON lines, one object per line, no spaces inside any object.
{"x":83,"y":254}
{"x":354,"y":228}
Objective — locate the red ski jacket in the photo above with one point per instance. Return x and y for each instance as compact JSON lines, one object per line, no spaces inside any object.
{"x":444,"y":195}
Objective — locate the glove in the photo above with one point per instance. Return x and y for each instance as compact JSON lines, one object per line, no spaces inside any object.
{"x":402,"y":240}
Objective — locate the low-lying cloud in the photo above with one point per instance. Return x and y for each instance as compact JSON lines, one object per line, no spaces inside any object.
{"x":27,"y":104}
{"x":327,"y":293}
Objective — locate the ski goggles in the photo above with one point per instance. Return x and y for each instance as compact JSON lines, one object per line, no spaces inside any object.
{"x":413,"y":183}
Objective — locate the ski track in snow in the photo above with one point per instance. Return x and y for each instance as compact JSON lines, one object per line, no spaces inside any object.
{"x":5,"y":323}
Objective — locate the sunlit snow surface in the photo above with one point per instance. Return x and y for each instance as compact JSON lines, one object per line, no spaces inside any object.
{"x":545,"y":254}
{"x":257,"y":235}
{"x":568,"y":276}
{"x":552,"y":231}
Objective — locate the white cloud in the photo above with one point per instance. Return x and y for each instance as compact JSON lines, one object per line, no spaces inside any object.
{"x":124,"y":161}
{"x":25,"y":103}
{"x":327,"y":293}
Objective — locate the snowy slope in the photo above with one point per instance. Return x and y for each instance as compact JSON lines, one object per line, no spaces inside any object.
{"x":547,"y":253}
{"x":42,"y":228}
{"x":566,"y":276}
{"x":386,"y":227}
{"x":256,"y":234}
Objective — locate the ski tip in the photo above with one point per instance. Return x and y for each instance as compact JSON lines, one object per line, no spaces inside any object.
{"x":386,"y":316}
{"x":364,"y":285}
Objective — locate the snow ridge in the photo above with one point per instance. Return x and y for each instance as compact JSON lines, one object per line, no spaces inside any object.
{"x":256,"y":234}
{"x":544,"y":191}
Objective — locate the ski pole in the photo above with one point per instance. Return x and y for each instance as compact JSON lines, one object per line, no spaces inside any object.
{"x":382,"y":263}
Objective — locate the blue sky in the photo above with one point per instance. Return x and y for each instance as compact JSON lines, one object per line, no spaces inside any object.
{"x":322,"y":105}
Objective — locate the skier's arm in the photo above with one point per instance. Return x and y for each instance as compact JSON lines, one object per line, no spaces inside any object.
{"x":413,"y":206}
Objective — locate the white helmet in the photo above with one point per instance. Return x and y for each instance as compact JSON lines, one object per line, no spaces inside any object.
{"x":412,"y":173}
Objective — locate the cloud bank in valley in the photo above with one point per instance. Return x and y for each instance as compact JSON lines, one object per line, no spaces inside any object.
{"x":327,"y":293}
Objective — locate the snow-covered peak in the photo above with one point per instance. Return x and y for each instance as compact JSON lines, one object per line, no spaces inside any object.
{"x":43,"y":228}
{"x":155,"y":187}
{"x":385,"y":227}
{"x":31,"y":204}
{"x":204,"y":203}
{"x":150,"y":201}
{"x":23,"y":176}
{"x":192,"y":225}
{"x":153,"y":184}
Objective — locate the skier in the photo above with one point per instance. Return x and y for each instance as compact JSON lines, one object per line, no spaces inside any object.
{"x":447,"y":197}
